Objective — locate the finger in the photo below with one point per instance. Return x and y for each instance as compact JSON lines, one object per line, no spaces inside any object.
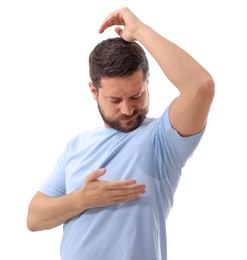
{"x":118,"y":184}
{"x":130,"y":190}
{"x":121,"y":199}
{"x":95,"y":175}
{"x":108,"y":24}
{"x":119,"y":31}
{"x":115,"y":18}
{"x":139,"y":188}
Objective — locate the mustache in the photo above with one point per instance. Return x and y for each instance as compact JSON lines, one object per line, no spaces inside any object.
{"x":125,"y":117}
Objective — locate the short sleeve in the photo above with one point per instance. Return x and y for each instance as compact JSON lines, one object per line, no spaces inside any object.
{"x":169,"y":145}
{"x":55,"y":183}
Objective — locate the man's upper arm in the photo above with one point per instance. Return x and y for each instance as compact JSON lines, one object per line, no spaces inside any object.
{"x":189,"y":111}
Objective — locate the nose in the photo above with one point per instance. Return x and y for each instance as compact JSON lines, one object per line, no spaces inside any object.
{"x":127,"y":108}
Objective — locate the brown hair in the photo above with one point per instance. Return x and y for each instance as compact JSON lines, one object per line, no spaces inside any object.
{"x":116,"y":57}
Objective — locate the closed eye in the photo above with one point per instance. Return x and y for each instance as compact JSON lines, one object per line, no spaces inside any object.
{"x":115,"y":100}
{"x":136,"y":97}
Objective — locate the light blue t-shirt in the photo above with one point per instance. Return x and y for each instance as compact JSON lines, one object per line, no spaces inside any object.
{"x":153,"y":154}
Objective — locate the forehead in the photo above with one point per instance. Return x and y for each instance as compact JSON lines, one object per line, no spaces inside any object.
{"x":122,"y":86}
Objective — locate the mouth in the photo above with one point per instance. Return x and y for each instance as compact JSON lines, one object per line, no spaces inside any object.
{"x":129,"y":118}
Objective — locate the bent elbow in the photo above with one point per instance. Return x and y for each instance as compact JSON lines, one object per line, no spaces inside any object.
{"x":31,"y":226}
{"x":33,"y":222}
{"x":207,"y":88}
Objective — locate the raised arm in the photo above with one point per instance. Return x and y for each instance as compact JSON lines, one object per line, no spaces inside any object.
{"x":189,"y":111}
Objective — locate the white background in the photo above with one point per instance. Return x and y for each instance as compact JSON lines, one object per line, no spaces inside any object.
{"x":45,"y":100}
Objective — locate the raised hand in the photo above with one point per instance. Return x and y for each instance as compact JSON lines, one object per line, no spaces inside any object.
{"x":125,"y":18}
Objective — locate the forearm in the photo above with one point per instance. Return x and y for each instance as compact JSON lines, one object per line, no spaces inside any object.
{"x":46,"y":212}
{"x":179,"y":67}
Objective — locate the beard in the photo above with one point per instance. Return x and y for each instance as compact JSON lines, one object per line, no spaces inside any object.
{"x":125,"y":123}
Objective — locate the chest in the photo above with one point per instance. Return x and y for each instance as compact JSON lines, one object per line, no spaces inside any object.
{"x":123,"y":158}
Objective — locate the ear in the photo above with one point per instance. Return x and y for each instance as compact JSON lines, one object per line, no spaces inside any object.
{"x":93,"y":90}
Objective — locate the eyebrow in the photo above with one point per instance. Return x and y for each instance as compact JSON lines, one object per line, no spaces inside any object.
{"x":134,"y":96}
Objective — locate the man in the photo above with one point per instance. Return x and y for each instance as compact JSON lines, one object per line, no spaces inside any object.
{"x":119,"y":210}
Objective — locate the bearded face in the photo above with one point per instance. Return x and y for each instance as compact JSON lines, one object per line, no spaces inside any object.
{"x":122,"y":101}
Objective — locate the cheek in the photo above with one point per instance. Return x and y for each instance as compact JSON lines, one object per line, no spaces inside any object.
{"x":144,"y":102}
{"x":111,"y":109}
{"x":108,"y":107}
